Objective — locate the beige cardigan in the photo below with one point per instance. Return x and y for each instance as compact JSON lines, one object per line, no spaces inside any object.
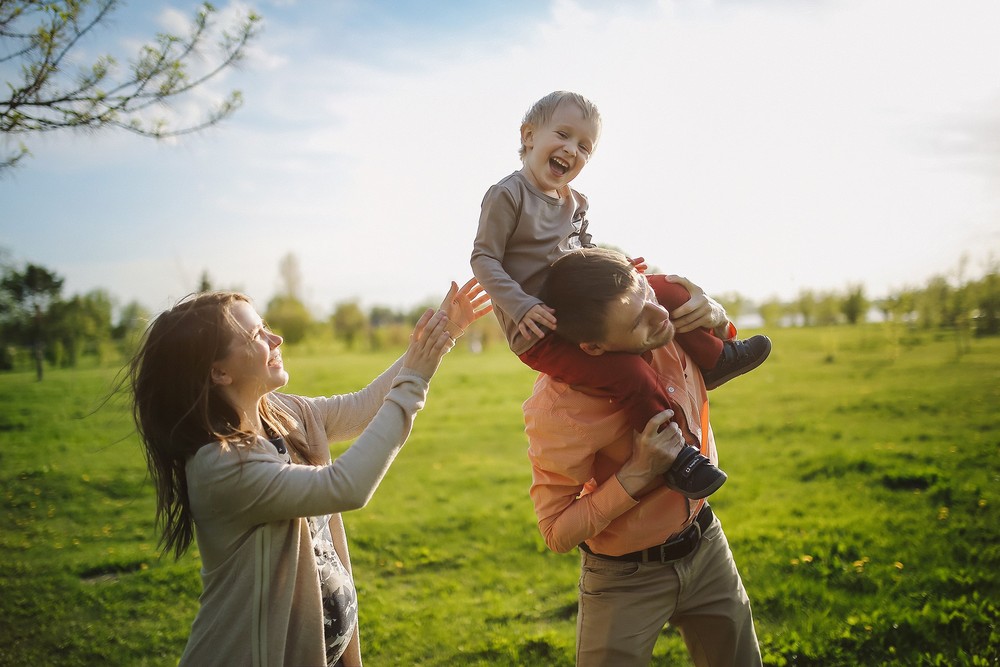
{"x":261,"y":599}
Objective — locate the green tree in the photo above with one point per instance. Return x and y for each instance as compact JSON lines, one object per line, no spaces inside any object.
{"x":932,"y":303}
{"x":771,"y":311}
{"x":349,"y":322}
{"x":25,"y":305}
{"x":827,"y":309}
{"x":290,"y":274}
{"x":204,"y":282}
{"x":289,"y":317}
{"x":133,"y":319}
{"x":987,"y":297}
{"x":80,"y":325}
{"x":855,"y":304}
{"x":735,"y":304}
{"x":55,"y":89}
{"x":286,"y":312}
{"x":805,"y":306}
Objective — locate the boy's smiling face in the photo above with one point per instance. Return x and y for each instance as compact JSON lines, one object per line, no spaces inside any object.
{"x":557,"y":150}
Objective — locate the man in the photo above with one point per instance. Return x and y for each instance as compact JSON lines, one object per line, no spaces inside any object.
{"x":649,"y":555}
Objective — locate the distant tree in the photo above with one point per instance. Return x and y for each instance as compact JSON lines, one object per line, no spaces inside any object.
{"x":827,"y":309}
{"x":898,"y":306}
{"x":380,"y":316}
{"x":734,"y":303}
{"x":289,"y":317}
{"x":771,"y":311}
{"x":204,"y":282}
{"x":933,"y":302}
{"x":79,"y":326}
{"x":133,"y":319}
{"x":290,"y":276}
{"x":414,"y":314}
{"x":855,"y":304}
{"x":385,"y":327}
{"x":285,"y":312}
{"x":805,"y":306}
{"x":349,"y":322}
{"x":55,"y":90}
{"x":26,"y":301}
{"x":987,"y":297}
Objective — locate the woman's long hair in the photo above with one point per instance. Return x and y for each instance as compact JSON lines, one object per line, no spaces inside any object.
{"x":177,"y":409}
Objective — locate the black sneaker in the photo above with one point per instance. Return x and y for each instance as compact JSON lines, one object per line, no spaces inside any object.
{"x":693,"y":475}
{"x":738,"y":357}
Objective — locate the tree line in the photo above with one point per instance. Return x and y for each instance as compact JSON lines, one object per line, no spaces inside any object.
{"x":39,"y":326}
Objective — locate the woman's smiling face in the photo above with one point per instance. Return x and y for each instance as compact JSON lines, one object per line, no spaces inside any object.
{"x":252,"y":366}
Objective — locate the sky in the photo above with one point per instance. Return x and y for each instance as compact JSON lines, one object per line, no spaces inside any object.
{"x":758,"y":147}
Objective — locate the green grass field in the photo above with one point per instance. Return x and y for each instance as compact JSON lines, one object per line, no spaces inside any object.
{"x":862,"y":508}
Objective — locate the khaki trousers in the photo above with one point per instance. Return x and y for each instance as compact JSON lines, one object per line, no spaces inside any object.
{"x":623,"y":606}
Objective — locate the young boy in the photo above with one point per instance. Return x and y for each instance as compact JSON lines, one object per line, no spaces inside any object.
{"x":531,"y":218}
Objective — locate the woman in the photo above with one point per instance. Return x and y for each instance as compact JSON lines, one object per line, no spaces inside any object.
{"x":247,"y":472}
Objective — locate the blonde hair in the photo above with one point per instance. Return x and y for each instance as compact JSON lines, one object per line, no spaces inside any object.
{"x":542,"y":110}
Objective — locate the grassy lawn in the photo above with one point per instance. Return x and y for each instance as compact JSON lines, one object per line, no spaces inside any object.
{"x":861,"y":506}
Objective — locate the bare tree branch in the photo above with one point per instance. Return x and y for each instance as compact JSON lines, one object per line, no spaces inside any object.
{"x":37,"y":38}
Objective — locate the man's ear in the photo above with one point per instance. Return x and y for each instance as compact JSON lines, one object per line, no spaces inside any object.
{"x":220,"y":376}
{"x":593,"y":349}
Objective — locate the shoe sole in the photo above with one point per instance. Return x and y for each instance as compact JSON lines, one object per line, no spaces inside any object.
{"x":742,"y":370}
{"x":704,"y":493}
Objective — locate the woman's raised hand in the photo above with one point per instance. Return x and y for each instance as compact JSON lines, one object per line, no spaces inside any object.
{"x":465,"y":305}
{"x":429,"y":342}
{"x":436,"y":331}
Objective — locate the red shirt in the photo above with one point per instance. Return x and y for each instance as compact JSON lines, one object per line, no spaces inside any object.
{"x":578,"y":442}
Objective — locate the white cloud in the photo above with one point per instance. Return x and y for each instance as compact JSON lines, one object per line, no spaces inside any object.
{"x":756,"y":147}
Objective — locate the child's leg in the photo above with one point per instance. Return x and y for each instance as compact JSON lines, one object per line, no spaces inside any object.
{"x":631,"y":382}
{"x":719,"y":360}
{"x":700,"y":344}
{"x":625,"y":378}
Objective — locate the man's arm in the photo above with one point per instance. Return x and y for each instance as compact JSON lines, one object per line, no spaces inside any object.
{"x":565,"y":517}
{"x":653,"y":452}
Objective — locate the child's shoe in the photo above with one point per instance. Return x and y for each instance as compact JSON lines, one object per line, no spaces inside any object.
{"x":693,"y":475}
{"x":738,"y":357}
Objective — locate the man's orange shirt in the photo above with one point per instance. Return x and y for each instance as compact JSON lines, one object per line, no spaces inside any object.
{"x":577,"y":442}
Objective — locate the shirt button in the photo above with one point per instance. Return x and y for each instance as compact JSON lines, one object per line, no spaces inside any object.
{"x":670,"y":390}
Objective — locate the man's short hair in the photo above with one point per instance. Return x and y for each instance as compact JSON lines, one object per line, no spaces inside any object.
{"x":581,"y":285}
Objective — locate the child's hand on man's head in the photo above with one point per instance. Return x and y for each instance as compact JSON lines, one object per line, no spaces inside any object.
{"x":639,"y":263}
{"x":537,"y":317}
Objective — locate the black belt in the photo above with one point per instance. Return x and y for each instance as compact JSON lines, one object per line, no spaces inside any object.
{"x":673,"y":549}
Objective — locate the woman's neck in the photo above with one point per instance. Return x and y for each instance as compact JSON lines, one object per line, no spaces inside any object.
{"x":248,"y":410}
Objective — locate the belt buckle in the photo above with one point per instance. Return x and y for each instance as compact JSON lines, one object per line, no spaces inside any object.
{"x":690,"y":537}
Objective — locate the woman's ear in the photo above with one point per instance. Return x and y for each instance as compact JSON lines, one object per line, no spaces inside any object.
{"x":220,"y":376}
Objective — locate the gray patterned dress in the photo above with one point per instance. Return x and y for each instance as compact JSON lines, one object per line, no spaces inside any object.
{"x":340,"y":599}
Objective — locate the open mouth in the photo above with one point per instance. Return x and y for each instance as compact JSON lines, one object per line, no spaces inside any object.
{"x":558,"y":166}
{"x":275,"y":361}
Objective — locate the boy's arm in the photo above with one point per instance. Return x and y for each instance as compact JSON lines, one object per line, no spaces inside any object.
{"x":497,"y":222}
